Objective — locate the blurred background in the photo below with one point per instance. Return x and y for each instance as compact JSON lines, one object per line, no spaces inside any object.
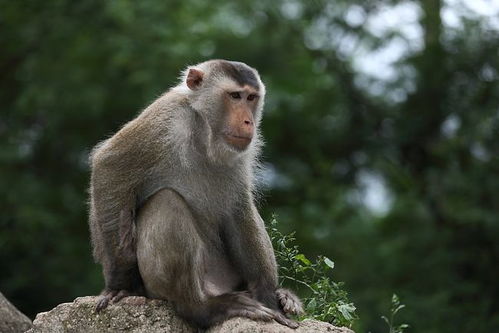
{"x":381,"y":124}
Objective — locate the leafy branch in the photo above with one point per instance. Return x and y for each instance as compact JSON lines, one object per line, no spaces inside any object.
{"x":395,"y":308}
{"x":324,"y":299}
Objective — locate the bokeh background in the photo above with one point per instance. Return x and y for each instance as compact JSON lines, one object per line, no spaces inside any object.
{"x":381,"y":124}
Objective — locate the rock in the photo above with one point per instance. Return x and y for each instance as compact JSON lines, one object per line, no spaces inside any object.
{"x":138,"y":314}
{"x":244,"y":325}
{"x":11,"y":319}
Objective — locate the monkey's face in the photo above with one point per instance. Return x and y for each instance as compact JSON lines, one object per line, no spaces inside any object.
{"x":230,"y":94}
{"x":239,"y":109}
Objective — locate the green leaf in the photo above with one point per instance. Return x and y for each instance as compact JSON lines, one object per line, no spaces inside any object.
{"x":329,"y":262}
{"x":400,"y":307}
{"x":347,"y":310}
{"x":303,"y":259}
{"x":312,"y":304}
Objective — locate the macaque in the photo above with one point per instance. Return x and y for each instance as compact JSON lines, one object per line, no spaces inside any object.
{"x":172,"y":209}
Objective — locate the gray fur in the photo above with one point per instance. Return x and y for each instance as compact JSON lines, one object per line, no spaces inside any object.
{"x":200,"y":238}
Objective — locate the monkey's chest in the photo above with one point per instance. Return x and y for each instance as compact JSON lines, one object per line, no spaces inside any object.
{"x":210,"y":196}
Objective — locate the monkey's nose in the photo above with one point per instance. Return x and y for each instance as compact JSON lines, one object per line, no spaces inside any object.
{"x":247,"y":128}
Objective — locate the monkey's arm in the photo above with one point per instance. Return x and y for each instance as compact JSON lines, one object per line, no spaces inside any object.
{"x":111,"y":210}
{"x":251,"y":251}
{"x":114,"y":180}
{"x":118,"y":168}
{"x":251,"y":247}
{"x":112,"y":227}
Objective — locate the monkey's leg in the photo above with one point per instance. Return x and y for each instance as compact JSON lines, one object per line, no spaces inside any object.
{"x":289,"y":302}
{"x":171,"y":252}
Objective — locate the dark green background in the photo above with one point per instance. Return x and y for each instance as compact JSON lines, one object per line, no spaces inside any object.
{"x":72,"y":72}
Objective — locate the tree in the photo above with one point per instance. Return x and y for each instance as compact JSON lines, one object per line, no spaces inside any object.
{"x":421,"y":131}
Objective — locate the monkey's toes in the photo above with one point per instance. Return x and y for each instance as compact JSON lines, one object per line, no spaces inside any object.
{"x":281,"y":319}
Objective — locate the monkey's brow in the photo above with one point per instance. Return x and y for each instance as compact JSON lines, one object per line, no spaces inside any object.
{"x":251,"y":92}
{"x":237,"y":88}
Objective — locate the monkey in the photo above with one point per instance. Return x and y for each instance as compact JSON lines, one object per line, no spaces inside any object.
{"x":172,"y":207}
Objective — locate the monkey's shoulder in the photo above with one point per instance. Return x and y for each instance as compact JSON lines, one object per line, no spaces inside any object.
{"x":156,"y":118}
{"x":167,"y":104}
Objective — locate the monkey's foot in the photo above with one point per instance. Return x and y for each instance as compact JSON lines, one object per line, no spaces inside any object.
{"x":290,"y":303}
{"x":243,"y":305}
{"x":112,"y":296}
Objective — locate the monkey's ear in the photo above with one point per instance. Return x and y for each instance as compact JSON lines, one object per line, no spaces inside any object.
{"x":194,"y":78}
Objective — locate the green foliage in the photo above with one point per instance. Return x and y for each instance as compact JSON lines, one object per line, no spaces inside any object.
{"x":396,"y":306}
{"x":324,"y":299}
{"x":423,"y":131}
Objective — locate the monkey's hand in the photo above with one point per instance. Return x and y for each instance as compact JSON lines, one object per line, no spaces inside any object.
{"x":112,"y":296}
{"x":290,"y":303}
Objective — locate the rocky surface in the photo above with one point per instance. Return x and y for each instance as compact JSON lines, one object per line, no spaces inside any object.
{"x":138,"y":315}
{"x":11,"y":319}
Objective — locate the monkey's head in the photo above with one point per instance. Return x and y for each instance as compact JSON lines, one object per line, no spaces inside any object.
{"x":229,"y":97}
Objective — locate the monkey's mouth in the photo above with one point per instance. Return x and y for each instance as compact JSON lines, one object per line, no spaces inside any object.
{"x":238,"y":141}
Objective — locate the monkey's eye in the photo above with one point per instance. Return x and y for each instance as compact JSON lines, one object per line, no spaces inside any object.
{"x":252,"y":97}
{"x":235,"y":95}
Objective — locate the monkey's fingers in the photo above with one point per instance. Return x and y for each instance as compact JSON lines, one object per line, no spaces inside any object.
{"x":122,"y":294}
{"x":102,"y":304}
{"x":290,"y":303}
{"x":282,"y":319}
{"x":279,"y":317}
{"x":104,"y":300}
{"x":245,"y":306}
